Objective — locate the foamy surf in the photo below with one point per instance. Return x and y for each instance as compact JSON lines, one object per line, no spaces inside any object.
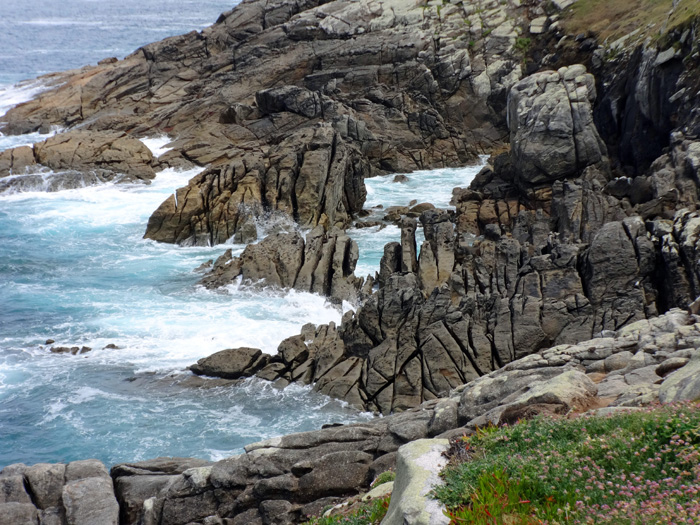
{"x":157,"y":145}
{"x":74,"y":268}
{"x":15,"y":94}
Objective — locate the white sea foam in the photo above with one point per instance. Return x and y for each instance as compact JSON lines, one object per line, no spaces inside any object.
{"x":59,"y":22}
{"x":15,"y":141}
{"x":11,"y":96}
{"x":157,"y":145}
{"x":433,"y":186}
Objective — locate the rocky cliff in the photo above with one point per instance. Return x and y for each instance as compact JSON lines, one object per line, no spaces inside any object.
{"x":564,"y":251}
{"x":563,"y":280}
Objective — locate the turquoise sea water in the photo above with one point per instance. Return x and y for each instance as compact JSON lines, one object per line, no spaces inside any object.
{"x":74,"y":268}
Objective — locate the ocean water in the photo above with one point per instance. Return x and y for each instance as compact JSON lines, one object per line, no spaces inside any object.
{"x":44,"y":36}
{"x":74,"y":268}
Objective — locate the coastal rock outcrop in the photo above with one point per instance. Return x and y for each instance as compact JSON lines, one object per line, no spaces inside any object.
{"x":282,"y":480}
{"x":323,"y":263}
{"x":527,"y":262}
{"x":286,"y":479}
{"x":76,"y":158}
{"x":292,"y":104}
{"x":77,"y":493}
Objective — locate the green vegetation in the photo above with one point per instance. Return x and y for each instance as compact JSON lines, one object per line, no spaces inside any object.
{"x":384,"y":477}
{"x":612,"y":20}
{"x":522,"y":44}
{"x":638,"y":468}
{"x":371,"y":513}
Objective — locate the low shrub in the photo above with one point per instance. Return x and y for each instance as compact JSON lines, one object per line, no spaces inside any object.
{"x":630,"y":468}
{"x":384,"y":477}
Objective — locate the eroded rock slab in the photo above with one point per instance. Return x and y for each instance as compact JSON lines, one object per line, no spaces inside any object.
{"x":418,"y":466}
{"x":323,"y":263}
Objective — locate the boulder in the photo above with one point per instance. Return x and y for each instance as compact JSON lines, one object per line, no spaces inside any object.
{"x":417,"y":472}
{"x":683,"y":384}
{"x":90,"y":500}
{"x":77,"y":158}
{"x":46,"y":481}
{"x":232,"y":364}
{"x":551,"y":125}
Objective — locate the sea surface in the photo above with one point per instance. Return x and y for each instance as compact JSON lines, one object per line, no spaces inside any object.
{"x":74,"y":268}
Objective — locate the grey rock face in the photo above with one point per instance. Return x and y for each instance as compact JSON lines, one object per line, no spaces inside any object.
{"x":90,"y":500}
{"x":683,"y":384}
{"x":77,"y":493}
{"x":551,"y":124}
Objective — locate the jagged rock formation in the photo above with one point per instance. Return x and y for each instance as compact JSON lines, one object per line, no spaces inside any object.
{"x":78,"y":158}
{"x":324,"y":263}
{"x":282,"y":480}
{"x":559,"y":262}
{"x":292,"y":104}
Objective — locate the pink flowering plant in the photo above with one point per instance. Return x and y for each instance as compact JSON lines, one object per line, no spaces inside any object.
{"x":634,"y":467}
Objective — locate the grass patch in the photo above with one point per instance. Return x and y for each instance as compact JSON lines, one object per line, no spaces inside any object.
{"x":636,"y":468}
{"x":370,"y":513}
{"x":613,"y":19}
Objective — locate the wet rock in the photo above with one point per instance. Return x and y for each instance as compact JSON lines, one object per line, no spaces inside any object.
{"x":77,"y":158}
{"x":324,"y":263}
{"x":232,"y":364}
{"x":73,"y":350}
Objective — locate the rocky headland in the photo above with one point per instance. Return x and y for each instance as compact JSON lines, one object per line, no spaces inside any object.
{"x":563,"y":281}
